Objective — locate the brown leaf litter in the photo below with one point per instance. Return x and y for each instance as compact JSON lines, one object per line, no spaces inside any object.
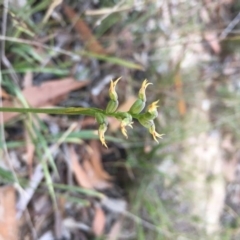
{"x":84,"y":31}
{"x":99,"y":221}
{"x":8,"y":221}
{"x":47,"y":93}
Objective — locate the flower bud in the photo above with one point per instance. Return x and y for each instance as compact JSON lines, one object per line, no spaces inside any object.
{"x":101,"y":118}
{"x":112,"y":106}
{"x":145,"y":122}
{"x":140,"y":103}
{"x":137,"y":106}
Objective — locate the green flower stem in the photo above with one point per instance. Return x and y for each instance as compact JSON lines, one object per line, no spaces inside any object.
{"x":66,"y":111}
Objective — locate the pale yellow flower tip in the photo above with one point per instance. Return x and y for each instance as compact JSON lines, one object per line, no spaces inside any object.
{"x":116,"y":81}
{"x":143,"y":87}
{"x":113,"y":85}
{"x":102,"y":139}
{"x":102,"y":129}
{"x":156,"y":135}
{"x":153,"y":106}
{"x":123,"y":128}
{"x":145,"y":84}
{"x":124,"y":131}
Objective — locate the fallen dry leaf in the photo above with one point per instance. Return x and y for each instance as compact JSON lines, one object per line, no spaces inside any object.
{"x":51,"y":8}
{"x":8,"y":223}
{"x":87,"y":121}
{"x":95,"y":180}
{"x":182,"y":106}
{"x":96,"y":161}
{"x":79,"y":172}
{"x":115,"y":230}
{"x":213,"y":41}
{"x":30,"y":150}
{"x":179,"y":90}
{"x":84,"y":31}
{"x":85,"y":173}
{"x":27,"y":79}
{"x":99,"y":222}
{"x":114,"y":124}
{"x":45,"y":94}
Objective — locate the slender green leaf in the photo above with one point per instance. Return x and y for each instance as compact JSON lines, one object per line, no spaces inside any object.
{"x":88,"y":192}
{"x":115,"y":60}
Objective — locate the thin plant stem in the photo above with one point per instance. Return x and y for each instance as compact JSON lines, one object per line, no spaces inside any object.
{"x":65,"y":111}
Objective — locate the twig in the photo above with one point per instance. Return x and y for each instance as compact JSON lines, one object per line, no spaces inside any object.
{"x":99,"y":21}
{"x":230,"y":27}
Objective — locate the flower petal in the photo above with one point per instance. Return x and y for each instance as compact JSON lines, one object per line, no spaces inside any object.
{"x":124,"y":124}
{"x":112,"y":89}
{"x":154,"y":133}
{"x":101,"y":131}
{"x":153,"y":106}
{"x":142,"y":90}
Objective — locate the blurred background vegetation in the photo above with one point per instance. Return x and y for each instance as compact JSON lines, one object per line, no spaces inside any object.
{"x":58,"y":182}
